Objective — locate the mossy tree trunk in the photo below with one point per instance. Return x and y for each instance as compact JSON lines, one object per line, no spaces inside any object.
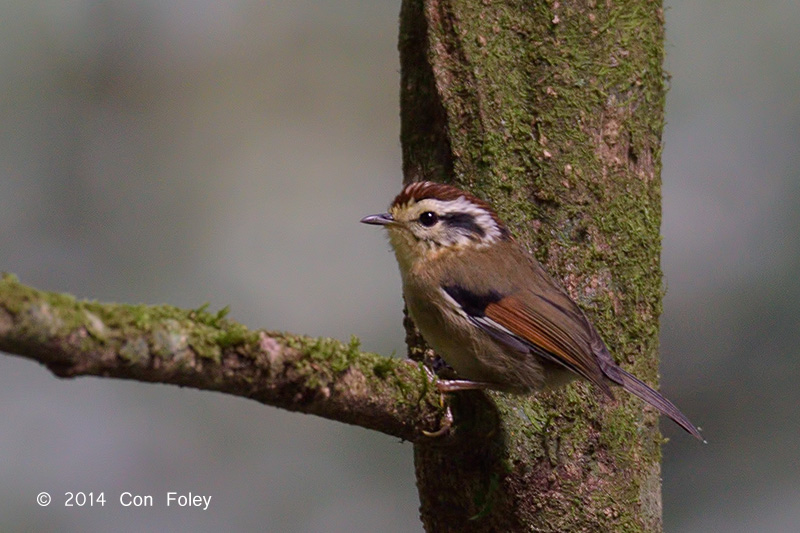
{"x":553,"y":110}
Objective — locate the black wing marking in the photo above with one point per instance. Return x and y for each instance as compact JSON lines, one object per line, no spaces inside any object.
{"x":506,"y":319}
{"x":472,"y":303}
{"x":473,"y":306}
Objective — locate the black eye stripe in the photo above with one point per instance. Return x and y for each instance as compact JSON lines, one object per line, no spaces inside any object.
{"x":464,"y":221}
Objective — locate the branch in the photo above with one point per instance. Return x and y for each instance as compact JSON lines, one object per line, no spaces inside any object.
{"x":206,"y":351}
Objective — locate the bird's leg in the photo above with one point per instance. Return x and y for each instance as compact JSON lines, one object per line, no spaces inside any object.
{"x":447,"y":422}
{"x":453,"y":385}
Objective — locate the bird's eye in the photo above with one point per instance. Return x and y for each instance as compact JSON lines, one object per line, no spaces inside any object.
{"x":428,"y":219}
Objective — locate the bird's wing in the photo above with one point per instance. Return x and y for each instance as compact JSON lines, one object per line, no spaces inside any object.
{"x":532,"y":323}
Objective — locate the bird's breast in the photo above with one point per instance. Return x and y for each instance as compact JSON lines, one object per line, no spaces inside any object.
{"x":472,"y":352}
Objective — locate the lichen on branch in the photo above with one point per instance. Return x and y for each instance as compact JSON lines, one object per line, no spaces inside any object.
{"x":205,"y":350}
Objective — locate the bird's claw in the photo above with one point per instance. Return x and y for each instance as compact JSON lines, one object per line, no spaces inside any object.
{"x":447,"y":423}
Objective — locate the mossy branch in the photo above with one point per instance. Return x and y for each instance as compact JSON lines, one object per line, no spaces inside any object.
{"x":196,"y":348}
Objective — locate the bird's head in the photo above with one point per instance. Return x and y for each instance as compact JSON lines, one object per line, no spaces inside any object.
{"x":428,"y":218}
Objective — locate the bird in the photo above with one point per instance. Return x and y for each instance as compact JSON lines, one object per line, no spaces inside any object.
{"x":488,"y":307}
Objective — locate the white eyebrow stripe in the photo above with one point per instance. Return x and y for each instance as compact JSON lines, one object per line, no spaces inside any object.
{"x":483,"y":218}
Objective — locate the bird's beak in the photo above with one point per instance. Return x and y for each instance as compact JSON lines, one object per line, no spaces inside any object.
{"x":383,"y":219}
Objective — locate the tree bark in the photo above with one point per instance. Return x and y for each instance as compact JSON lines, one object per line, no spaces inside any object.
{"x":553,"y":111}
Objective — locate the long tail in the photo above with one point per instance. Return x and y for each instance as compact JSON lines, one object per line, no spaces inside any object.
{"x":643,"y":391}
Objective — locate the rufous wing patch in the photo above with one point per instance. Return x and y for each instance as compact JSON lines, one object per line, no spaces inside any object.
{"x":535,"y":329}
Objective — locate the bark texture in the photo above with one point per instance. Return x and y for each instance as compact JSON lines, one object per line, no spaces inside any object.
{"x":553,"y":110}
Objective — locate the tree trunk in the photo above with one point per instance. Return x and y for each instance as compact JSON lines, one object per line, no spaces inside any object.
{"x":553,"y":111}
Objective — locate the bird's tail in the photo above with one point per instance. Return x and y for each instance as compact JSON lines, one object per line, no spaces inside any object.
{"x":643,"y":391}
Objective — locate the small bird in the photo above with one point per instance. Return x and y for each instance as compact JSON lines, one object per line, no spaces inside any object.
{"x":488,"y":308}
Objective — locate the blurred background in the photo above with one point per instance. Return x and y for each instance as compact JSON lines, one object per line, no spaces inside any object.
{"x":194,"y":151}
